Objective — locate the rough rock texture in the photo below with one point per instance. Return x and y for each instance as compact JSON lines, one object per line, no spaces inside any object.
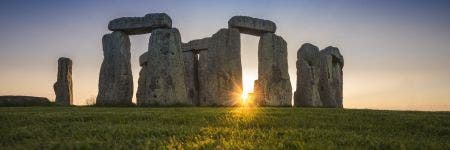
{"x":140,"y":25}
{"x":191,"y":76}
{"x":273,"y":85}
{"x":143,"y":62}
{"x":63,"y":85}
{"x":308,"y":71}
{"x":192,"y":50}
{"x":115,"y":87}
{"x":23,"y":101}
{"x":199,"y":44}
{"x":253,"y":26}
{"x":143,"y":59}
{"x":165,"y":83}
{"x":220,"y":70}
{"x":331,"y":85}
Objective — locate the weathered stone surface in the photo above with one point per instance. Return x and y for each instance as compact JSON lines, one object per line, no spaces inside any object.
{"x":165,"y":79}
{"x":308,"y":71}
{"x":23,"y":101}
{"x":140,"y":25}
{"x":199,"y":44}
{"x":191,"y":76}
{"x":143,"y":59}
{"x":191,"y":51}
{"x":142,"y":80}
{"x":331,"y":84}
{"x":273,"y":85}
{"x":253,"y":26}
{"x":220,"y":70}
{"x":63,"y":85}
{"x":116,"y":80}
{"x":334,"y":51}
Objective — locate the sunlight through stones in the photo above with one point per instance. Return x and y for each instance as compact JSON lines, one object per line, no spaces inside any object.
{"x":208,"y":71}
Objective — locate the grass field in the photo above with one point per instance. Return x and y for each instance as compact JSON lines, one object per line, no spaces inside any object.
{"x":220,"y":128}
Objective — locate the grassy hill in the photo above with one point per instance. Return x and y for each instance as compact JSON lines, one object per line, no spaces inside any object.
{"x":223,"y":128}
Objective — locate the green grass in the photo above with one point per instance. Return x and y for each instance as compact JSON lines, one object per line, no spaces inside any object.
{"x":220,"y":128}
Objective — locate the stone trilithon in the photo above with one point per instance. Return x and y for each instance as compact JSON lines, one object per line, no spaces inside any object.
{"x":208,"y":71}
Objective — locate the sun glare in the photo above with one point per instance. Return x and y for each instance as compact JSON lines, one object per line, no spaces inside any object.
{"x":244,"y":99}
{"x":248,"y":80}
{"x":244,"y":96}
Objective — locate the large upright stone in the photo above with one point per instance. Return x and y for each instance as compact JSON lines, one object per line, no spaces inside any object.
{"x":115,"y":86}
{"x":331,"y":84}
{"x":273,"y":86}
{"x":63,"y":85}
{"x":191,"y":76}
{"x":221,"y":70}
{"x":165,"y":83}
{"x":191,"y":51}
{"x":308,"y":69}
{"x":140,"y":25}
{"x":253,"y":26}
{"x":142,"y":80}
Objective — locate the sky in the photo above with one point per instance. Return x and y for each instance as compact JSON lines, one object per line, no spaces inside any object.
{"x":397,"y":52}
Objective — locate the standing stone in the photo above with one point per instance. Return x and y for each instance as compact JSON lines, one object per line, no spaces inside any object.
{"x":220,"y":71}
{"x":63,"y":85}
{"x":165,"y":83}
{"x":142,"y":81}
{"x":273,"y":85}
{"x":191,"y":76}
{"x":115,"y":87}
{"x":140,"y":25}
{"x":191,"y":51}
{"x":201,"y":69}
{"x":252,"y":26}
{"x":331,"y":85}
{"x":308,"y":69}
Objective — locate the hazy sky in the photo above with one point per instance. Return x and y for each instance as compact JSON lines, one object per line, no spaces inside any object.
{"x":397,"y":52}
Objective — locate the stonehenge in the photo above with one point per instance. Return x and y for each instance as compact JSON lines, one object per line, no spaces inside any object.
{"x":142,"y":80}
{"x":208,"y":71}
{"x":252,"y":26}
{"x":63,"y":86}
{"x":198,"y":45}
{"x":191,"y":51}
{"x":191,"y":77}
{"x":140,"y":25}
{"x":273,"y":87}
{"x":165,"y":76}
{"x":331,"y":78}
{"x":307,"y":93}
{"x":319,"y":77}
{"x":115,"y":85}
{"x":220,"y":70}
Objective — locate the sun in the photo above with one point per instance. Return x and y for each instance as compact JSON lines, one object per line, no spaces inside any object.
{"x":244,"y":98}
